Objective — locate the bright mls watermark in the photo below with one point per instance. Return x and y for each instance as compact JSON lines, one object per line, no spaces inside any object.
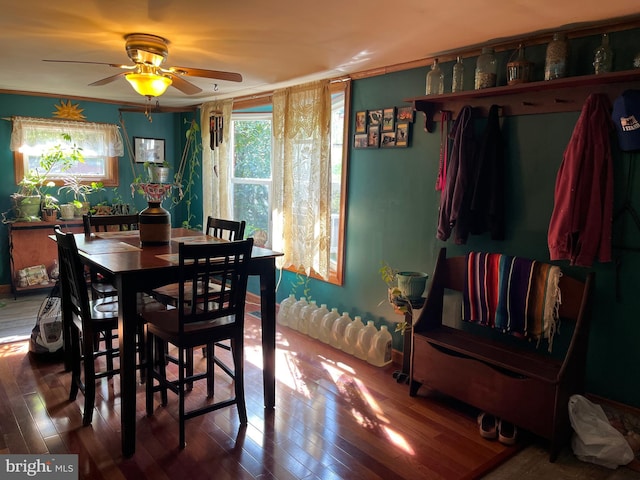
{"x":53,"y":467}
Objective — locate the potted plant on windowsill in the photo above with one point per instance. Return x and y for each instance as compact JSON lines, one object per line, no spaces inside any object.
{"x":27,"y":201}
{"x":80,"y":191}
{"x":50,"y":208}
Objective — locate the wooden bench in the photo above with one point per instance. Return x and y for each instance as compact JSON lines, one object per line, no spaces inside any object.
{"x":508,"y":377}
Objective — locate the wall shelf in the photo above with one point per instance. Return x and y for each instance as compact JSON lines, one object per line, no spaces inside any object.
{"x":561,"y":95}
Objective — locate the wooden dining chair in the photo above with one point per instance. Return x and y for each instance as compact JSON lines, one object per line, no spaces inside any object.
{"x":101,"y":287}
{"x":230,"y":230}
{"x":89,"y":319}
{"x":205,"y":313}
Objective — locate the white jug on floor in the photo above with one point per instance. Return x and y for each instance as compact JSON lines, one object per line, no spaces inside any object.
{"x":295,"y":312}
{"x":283,"y":310}
{"x":305,"y":316}
{"x":337,"y":330}
{"x":316,"y":321}
{"x":351,"y":335}
{"x":380,"y":351}
{"x":327,"y":323}
{"x":365,"y":336}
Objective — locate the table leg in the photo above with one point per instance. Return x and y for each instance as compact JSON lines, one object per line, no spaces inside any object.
{"x":127,"y":329}
{"x":268,"y":314}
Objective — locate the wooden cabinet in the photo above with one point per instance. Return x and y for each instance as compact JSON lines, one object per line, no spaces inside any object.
{"x":30,"y":245}
{"x":560,"y":95}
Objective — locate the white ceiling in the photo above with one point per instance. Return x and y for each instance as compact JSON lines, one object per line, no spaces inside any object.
{"x":271,"y":43}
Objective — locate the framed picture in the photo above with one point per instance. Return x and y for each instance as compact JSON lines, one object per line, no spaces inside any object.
{"x":388,"y":119}
{"x":375,"y":117}
{"x":360,"y":140}
{"x":388,"y":139}
{"x":405,"y":114}
{"x":402,"y":134}
{"x":373,"y":136}
{"x":361,"y":122}
{"x":148,"y":150}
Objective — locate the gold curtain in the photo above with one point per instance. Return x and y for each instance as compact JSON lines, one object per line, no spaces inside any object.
{"x":301,"y":176}
{"x":216,"y":201}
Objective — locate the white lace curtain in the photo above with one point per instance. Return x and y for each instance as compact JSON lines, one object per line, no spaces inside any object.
{"x":99,"y":139}
{"x":215,"y":163}
{"x":301,"y":176}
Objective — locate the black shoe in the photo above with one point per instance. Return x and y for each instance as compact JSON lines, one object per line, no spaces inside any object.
{"x":488,"y":426}
{"x":507,"y":432}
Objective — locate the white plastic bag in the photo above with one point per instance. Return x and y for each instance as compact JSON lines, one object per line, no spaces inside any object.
{"x":595,"y":440}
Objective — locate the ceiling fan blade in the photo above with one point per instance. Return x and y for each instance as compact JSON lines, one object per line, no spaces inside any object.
{"x":116,"y":65}
{"x":185,"y":87}
{"x":110,"y":79}
{"x":199,"y":72}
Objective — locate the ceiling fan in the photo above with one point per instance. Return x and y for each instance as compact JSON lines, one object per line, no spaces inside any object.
{"x":147,"y":76}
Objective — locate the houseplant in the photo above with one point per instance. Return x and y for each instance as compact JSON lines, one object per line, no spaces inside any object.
{"x":26,"y":202}
{"x":404,"y":291}
{"x":49,"y":208}
{"x":80,"y":191}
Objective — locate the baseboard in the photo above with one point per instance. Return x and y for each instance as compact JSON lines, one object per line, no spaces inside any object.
{"x":5,"y":289}
{"x":612,"y":403}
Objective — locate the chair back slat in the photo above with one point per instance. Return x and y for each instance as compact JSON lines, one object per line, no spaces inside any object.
{"x":72,"y":276}
{"x":213,"y":280}
{"x":226,"y":229}
{"x":104,"y":223}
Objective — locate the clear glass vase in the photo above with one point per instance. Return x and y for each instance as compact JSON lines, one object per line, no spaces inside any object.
{"x":555,"y":65}
{"x":486,"y":69}
{"x":435,"y":80}
{"x":603,"y":57}
{"x":457,"y":82}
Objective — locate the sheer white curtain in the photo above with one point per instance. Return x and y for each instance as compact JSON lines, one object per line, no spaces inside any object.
{"x":99,"y":139}
{"x":216,"y":200}
{"x":301,"y":176}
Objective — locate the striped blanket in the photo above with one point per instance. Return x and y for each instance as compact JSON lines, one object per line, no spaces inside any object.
{"x":513,"y":294}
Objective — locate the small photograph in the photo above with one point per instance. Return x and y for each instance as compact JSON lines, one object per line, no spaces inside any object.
{"x":388,"y":119}
{"x":375,"y":117}
{"x":361,"y":122}
{"x":373,"y":136}
{"x":402,"y":134}
{"x":405,"y":114}
{"x":360,"y":140}
{"x":388,"y":139}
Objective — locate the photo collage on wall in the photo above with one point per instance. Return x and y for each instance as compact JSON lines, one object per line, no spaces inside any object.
{"x":383,"y":128}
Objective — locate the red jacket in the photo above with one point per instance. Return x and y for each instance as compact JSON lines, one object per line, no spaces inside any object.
{"x":581,"y":222}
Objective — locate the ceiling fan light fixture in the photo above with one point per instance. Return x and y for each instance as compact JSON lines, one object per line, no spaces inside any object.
{"x":149,"y":84}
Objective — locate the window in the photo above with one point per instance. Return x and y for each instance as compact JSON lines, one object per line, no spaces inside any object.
{"x":251,"y":173}
{"x":101,"y":144}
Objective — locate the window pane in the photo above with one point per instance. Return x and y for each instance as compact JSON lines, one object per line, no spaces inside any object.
{"x":251,"y":204}
{"x":252,"y":149}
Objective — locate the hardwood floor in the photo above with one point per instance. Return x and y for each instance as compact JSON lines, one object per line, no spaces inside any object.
{"x":336,"y":417}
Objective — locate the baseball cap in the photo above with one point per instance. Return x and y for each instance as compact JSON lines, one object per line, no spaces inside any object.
{"x":626,"y":117}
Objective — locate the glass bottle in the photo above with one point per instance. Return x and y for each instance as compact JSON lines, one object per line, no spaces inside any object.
{"x":435,"y":80}
{"x":486,"y":69}
{"x":603,"y":56}
{"x":555,"y":65}
{"x":457,"y":82}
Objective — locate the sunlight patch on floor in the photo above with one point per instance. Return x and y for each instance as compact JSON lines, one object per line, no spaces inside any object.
{"x":364,"y":408}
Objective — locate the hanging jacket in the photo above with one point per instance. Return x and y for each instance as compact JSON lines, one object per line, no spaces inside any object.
{"x":487,"y":204}
{"x":581,"y":222}
{"x":456,"y":197}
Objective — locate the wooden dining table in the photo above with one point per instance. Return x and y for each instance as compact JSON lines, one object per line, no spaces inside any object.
{"x":133,"y":269}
